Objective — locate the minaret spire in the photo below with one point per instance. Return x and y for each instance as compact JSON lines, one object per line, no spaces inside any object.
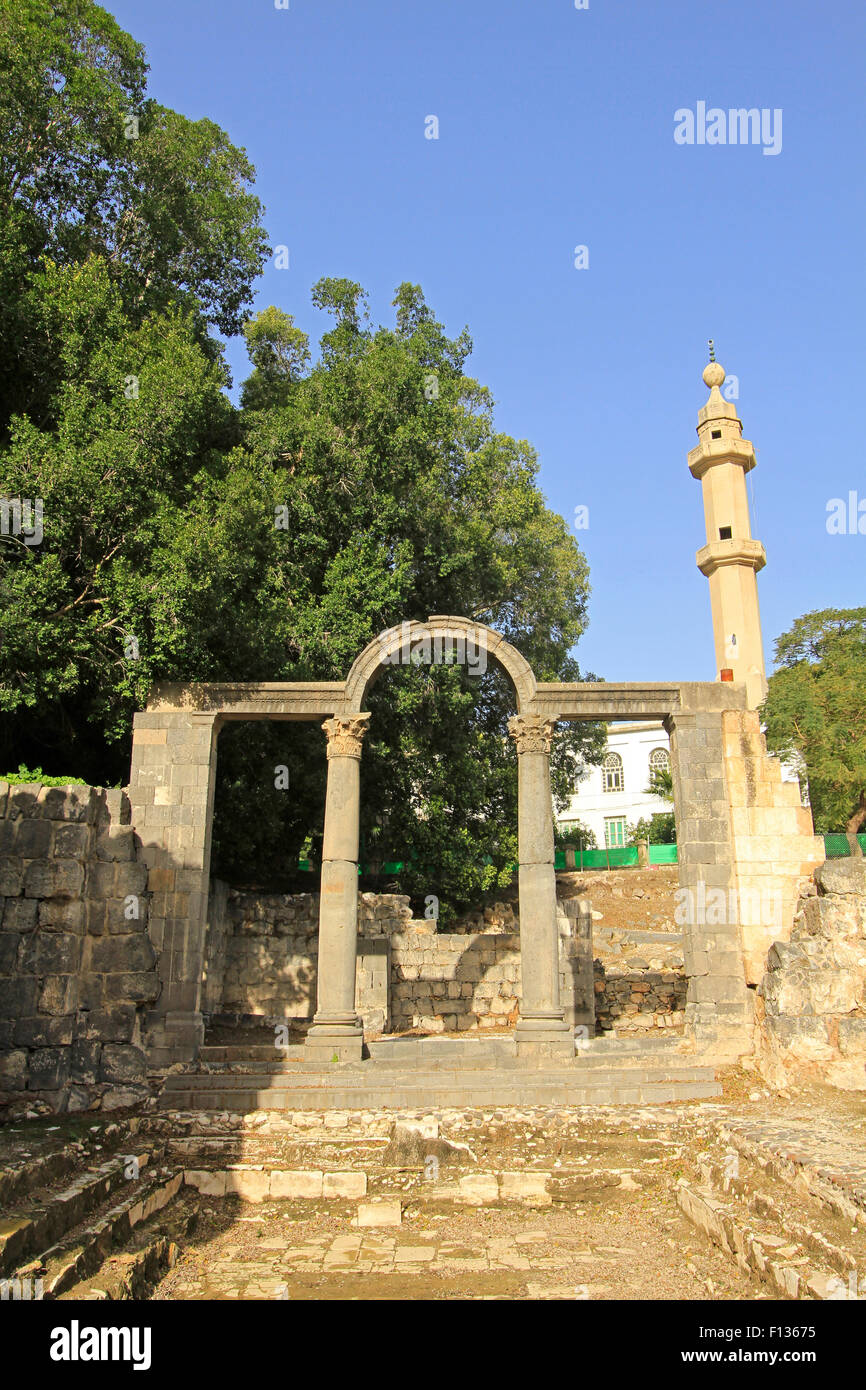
{"x":731,"y":558}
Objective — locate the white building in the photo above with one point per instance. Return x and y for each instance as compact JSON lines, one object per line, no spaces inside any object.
{"x":609,"y":798}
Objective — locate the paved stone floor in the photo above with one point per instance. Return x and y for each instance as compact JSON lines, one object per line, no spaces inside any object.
{"x":632,"y":1243}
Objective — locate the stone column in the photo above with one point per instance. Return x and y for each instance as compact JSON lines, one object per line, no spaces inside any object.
{"x":171,"y":791}
{"x":336,"y":1030}
{"x":541,"y":1029}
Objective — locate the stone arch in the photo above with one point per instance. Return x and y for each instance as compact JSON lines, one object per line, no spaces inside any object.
{"x":387,"y":646}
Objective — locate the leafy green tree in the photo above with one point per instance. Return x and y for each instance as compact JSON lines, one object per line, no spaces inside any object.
{"x":397,"y":498}
{"x":659,"y":829}
{"x":661,"y":783}
{"x":815,"y":713}
{"x":574,"y":835}
{"x":91,"y":167}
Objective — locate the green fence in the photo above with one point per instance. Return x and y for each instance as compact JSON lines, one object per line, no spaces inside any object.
{"x":836,"y":846}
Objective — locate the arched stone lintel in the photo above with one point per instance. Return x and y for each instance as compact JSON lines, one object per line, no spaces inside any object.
{"x":384,"y":648}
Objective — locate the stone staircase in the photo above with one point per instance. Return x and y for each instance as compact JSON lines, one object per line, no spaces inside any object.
{"x":785,"y":1206}
{"x":85,"y":1229}
{"x":423,"y":1072}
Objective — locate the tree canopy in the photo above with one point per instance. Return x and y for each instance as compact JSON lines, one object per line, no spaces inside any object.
{"x":816,"y":715}
{"x":186,"y":539}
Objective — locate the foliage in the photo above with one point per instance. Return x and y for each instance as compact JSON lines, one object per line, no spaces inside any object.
{"x":659,"y":829}
{"x":815,"y":712}
{"x":27,"y":776}
{"x":661,"y":784}
{"x":187,"y":540}
{"x":574,"y":835}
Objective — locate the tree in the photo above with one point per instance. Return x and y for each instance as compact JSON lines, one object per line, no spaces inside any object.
{"x":400,"y":499}
{"x":660,"y":829}
{"x":90,"y":167}
{"x":815,"y":711}
{"x":661,"y":784}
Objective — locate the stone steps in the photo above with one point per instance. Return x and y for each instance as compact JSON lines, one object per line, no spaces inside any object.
{"x":62,"y":1266}
{"x":41,"y":1221}
{"x":794,"y":1241}
{"x":350,"y":1087}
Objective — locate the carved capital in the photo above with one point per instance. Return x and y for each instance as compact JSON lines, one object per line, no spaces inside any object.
{"x":531,"y":732}
{"x":346,"y":734}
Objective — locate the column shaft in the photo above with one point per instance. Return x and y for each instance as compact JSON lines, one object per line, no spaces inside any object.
{"x":541,"y":1029}
{"x":336,"y":1030}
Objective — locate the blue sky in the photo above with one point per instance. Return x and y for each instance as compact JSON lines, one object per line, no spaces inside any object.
{"x":556,"y":130}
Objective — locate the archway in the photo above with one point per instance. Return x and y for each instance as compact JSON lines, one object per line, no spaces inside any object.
{"x":336,"y":1030}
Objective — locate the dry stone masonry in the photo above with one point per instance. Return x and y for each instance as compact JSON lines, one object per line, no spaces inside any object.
{"x":76,"y":963}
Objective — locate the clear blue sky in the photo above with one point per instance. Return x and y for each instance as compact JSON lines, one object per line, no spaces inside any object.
{"x":556,"y":129}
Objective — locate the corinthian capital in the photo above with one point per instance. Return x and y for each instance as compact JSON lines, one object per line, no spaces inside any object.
{"x":346,"y":734}
{"x":531,"y":732}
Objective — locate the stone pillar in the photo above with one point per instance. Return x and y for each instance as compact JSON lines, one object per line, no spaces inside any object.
{"x":719,"y":1007}
{"x":171,"y":789}
{"x":336,"y":1029}
{"x":541,"y":1029}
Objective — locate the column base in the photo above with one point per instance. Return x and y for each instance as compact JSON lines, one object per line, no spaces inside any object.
{"x":334,"y":1039}
{"x":173,"y":1037}
{"x":544,"y":1034}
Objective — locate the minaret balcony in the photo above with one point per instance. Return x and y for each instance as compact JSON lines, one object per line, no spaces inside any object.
{"x":734,"y":552}
{"x":713,"y":451}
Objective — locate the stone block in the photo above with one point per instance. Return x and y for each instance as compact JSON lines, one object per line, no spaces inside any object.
{"x":20,"y":914}
{"x":85,"y":1061}
{"x":13,"y":1071}
{"x":478,"y":1189}
{"x":139,"y":987}
{"x":852,"y":1037}
{"x":527,"y":1188}
{"x":11,"y":877}
{"x":208,"y":1183}
{"x":68,"y":804}
{"x":386,"y":1211}
{"x":122,"y":1063}
{"x":9,"y":945}
{"x":114,"y":1024}
{"x":71,"y":841}
{"x":49,"y":1068}
{"x":113,"y":954}
{"x":17,"y":996}
{"x":43,"y":1031}
{"x":250,"y":1184}
{"x":58,"y":995}
{"x":297,"y":1183}
{"x":344,"y":1185}
{"x":23,"y":799}
{"x":53,"y":878}
{"x":63,"y":914}
{"x":33,"y":839}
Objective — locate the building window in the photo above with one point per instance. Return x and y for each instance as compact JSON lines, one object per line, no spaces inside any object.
{"x":614,"y":832}
{"x":611,"y":773}
{"x":659,"y":761}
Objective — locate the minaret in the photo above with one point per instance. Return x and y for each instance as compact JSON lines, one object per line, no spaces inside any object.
{"x":730,"y":559}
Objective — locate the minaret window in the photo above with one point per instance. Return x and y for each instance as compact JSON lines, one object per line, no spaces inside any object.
{"x":611,"y":773}
{"x":724,"y":533}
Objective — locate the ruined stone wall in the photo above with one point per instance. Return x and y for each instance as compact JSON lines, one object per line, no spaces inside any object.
{"x":812,"y":998}
{"x":635,"y":1001}
{"x":77,"y":970}
{"x":408,"y":974}
{"x":773,"y":844}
